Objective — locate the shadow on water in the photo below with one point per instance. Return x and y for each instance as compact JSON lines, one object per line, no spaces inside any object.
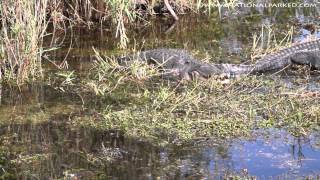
{"x":50,"y":146}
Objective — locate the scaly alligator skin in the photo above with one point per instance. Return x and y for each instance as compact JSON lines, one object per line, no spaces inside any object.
{"x":307,"y":53}
{"x":179,"y":63}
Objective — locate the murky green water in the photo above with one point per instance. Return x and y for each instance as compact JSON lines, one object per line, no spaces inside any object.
{"x":53,"y":149}
{"x":40,"y":142}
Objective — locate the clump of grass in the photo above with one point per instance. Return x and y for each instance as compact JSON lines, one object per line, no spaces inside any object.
{"x":169,"y":111}
{"x":23,"y":26}
{"x":109,"y":75}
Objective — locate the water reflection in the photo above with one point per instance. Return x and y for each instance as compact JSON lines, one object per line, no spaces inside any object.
{"x":54,"y":148}
{"x":278,"y":153}
{"x":64,"y":151}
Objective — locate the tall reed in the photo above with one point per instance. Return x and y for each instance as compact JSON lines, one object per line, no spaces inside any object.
{"x":121,"y":11}
{"x":23,"y":26}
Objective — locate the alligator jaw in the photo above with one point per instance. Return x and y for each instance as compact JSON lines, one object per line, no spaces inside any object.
{"x":208,"y":70}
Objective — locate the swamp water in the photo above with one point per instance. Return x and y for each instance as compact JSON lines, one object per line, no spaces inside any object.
{"x":39,"y":142}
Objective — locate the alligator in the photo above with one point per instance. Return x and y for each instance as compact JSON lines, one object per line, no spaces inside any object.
{"x":178,"y":63}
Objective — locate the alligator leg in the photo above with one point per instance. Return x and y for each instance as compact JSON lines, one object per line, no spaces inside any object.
{"x":307,"y":58}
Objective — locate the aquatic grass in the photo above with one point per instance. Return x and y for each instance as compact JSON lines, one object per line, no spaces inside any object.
{"x":23,"y":26}
{"x":165,"y":111}
{"x":171,"y":112}
{"x":68,"y":77}
{"x":267,"y":42}
{"x":109,"y":75}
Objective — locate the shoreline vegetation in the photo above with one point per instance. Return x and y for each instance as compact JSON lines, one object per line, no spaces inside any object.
{"x":24,"y":24}
{"x":134,"y":102}
{"x":132,"y":99}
